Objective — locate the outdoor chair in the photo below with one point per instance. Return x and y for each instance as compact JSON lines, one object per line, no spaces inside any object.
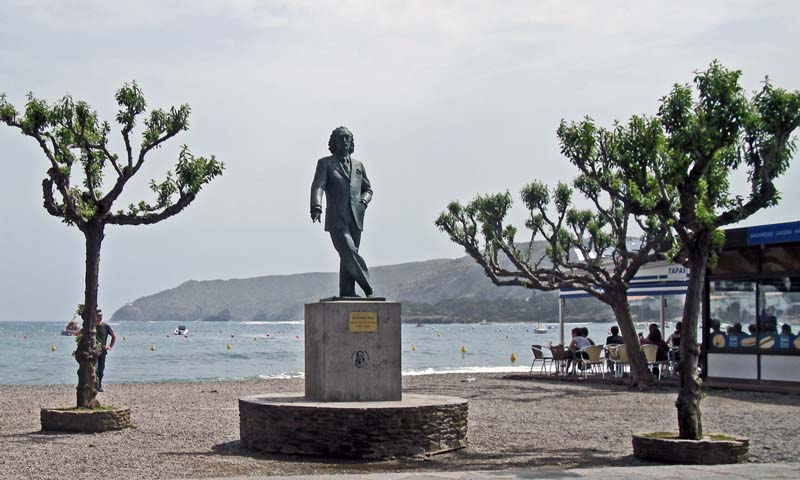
{"x":559,"y":358}
{"x":538,"y":354}
{"x":618,"y":355}
{"x":594,"y":359}
{"x":651,"y":355}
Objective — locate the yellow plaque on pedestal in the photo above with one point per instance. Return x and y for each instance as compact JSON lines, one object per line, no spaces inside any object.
{"x":364,"y":322}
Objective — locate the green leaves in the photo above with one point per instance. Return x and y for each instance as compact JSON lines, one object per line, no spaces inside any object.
{"x":131,"y":102}
{"x":194,"y":172}
{"x":535,"y":195}
{"x":69,"y":130}
{"x":161,"y":125}
{"x":8,"y":114}
{"x":36,"y":116}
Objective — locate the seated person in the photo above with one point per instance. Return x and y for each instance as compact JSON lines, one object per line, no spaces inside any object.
{"x":585,"y":334}
{"x":768,"y":322}
{"x":736,"y":329}
{"x":654,"y":338}
{"x":716,"y":326}
{"x":674,"y":342}
{"x":615,"y":338}
{"x":751,"y":329}
{"x":577,"y":346}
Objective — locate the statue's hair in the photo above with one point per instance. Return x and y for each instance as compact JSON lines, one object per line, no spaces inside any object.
{"x":337,"y":132}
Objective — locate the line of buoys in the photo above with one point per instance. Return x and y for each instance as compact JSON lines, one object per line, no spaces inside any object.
{"x":513,"y":357}
{"x":463,"y":349}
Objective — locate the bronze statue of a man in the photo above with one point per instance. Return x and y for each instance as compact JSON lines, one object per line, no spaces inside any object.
{"x":347,"y":193}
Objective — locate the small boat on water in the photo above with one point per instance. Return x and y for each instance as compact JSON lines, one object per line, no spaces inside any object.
{"x":539,"y":328}
{"x":71,"y":328}
{"x":181,"y":330}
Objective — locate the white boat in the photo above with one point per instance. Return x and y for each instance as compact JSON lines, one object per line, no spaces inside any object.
{"x":181,"y":330}
{"x":71,"y":328}
{"x":539,"y":328}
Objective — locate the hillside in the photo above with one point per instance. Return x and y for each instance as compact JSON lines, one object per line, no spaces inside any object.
{"x":442,"y":290}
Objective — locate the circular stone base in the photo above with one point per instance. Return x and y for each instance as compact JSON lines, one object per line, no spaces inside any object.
{"x":416,"y":425}
{"x":87,"y":421}
{"x":696,"y":452}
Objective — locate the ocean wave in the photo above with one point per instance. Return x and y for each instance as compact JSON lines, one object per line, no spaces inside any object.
{"x":282,"y":376}
{"x":288,"y":322}
{"x":444,"y":371}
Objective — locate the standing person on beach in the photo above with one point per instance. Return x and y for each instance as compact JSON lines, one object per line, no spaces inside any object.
{"x":103,"y":330}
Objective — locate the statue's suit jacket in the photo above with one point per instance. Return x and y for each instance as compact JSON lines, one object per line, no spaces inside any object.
{"x":344,"y":192}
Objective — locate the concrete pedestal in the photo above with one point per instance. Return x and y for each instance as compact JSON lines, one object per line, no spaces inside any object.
{"x":352,"y":405}
{"x":290,"y":424}
{"x":353,"y":351}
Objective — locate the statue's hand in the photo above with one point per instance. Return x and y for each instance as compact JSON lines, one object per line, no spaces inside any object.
{"x":315,"y":216}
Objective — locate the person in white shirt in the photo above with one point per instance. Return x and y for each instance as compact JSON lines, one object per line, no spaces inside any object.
{"x":577,"y":347}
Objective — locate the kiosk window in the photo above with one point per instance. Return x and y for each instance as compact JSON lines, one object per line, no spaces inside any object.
{"x":779,"y":319}
{"x":732,"y":310}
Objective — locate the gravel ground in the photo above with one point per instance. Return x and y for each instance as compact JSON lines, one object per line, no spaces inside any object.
{"x":191,"y":430}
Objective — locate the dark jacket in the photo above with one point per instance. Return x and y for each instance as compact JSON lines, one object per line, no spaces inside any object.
{"x":346,"y":193}
{"x":614,"y":340}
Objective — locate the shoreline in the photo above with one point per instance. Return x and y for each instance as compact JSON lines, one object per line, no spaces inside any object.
{"x":191,"y":429}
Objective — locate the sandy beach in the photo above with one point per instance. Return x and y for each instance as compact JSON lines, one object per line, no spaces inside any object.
{"x":191,"y":430}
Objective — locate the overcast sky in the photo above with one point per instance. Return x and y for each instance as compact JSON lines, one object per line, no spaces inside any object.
{"x":445,"y":99}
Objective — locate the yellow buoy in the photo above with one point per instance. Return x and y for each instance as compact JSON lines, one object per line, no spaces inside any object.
{"x":463,"y":349}
{"x":254,"y":339}
{"x":413,"y":348}
{"x":152,"y":348}
{"x":52,"y":348}
{"x":513,"y":357}
{"x":438,"y":334}
{"x":229,"y":346}
{"x":124,"y":338}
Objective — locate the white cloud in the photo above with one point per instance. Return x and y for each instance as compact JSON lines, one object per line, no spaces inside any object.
{"x":446,"y":98}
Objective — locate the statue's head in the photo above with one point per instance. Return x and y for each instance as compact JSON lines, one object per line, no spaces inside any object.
{"x":341,"y":136}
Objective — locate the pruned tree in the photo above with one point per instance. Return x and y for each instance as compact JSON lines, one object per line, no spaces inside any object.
{"x":711,"y":132}
{"x":76,"y":144}
{"x":586,"y":249}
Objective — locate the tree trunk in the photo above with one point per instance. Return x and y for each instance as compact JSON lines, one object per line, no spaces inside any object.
{"x":688,"y":402}
{"x":87,"y":352}
{"x":642,"y":376}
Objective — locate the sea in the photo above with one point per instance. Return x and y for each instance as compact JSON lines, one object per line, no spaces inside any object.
{"x":37,"y":353}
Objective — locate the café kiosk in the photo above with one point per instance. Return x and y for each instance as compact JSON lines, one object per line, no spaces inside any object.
{"x":751,"y":313}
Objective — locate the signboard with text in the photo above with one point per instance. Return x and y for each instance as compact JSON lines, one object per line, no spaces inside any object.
{"x":363,"y":322}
